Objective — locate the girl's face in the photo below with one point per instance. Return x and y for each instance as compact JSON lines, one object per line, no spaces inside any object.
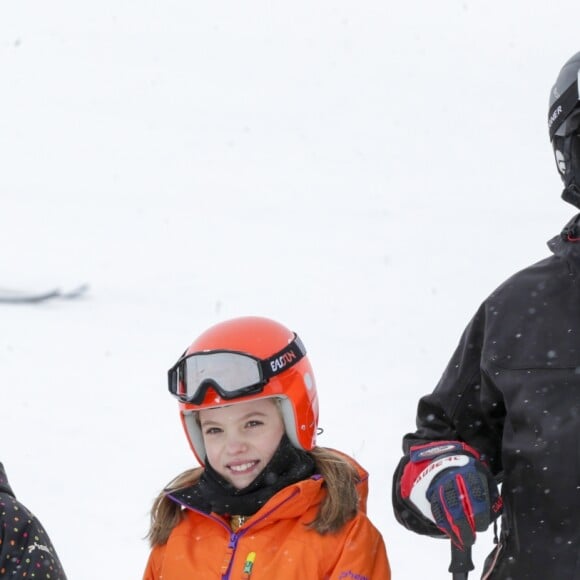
{"x":240,"y":439}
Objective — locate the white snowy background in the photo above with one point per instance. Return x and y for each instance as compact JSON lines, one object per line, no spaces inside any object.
{"x":365,"y":173}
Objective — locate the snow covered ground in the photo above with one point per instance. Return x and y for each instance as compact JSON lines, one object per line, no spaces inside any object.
{"x":364,"y":173}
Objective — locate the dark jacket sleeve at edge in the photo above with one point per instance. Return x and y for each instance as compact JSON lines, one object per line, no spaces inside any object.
{"x":25,"y":548}
{"x":463,"y":406}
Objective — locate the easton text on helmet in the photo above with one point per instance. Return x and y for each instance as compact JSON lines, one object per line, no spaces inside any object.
{"x":280,"y":362}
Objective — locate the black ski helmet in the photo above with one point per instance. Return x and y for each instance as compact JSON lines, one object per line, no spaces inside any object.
{"x":564,"y":128}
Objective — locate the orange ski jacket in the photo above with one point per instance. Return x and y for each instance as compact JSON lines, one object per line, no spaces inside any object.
{"x":274,"y":543}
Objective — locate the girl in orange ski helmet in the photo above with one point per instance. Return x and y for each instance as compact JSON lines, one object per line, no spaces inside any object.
{"x":266,"y":502}
{"x":245,"y":359}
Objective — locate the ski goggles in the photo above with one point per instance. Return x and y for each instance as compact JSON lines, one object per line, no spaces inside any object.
{"x":231,"y":374}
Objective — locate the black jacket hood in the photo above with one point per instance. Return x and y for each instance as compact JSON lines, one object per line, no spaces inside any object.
{"x":4,"y":485}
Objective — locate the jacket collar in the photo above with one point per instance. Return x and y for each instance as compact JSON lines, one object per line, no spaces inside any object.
{"x":566,"y":245}
{"x":290,"y":502}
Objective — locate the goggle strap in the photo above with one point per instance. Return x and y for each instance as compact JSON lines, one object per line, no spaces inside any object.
{"x":560,"y":110}
{"x":283,"y":359}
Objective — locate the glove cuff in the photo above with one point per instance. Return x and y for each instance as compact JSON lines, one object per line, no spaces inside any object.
{"x":426,"y":462}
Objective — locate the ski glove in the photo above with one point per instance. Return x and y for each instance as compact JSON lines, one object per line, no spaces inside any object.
{"x":449,"y":484}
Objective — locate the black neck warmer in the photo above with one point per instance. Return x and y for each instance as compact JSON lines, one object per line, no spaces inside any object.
{"x":212,"y":493}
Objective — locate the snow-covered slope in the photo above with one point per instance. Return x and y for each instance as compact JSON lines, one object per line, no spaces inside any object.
{"x":365,"y":174}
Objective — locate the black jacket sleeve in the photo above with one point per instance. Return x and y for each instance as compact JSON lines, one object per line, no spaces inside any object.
{"x":465,"y":406}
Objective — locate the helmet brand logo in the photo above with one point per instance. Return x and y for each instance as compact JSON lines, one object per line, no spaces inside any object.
{"x":279,"y":363}
{"x":554,"y":115}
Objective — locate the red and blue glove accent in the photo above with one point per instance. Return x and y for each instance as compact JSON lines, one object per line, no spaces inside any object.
{"x":450,"y":485}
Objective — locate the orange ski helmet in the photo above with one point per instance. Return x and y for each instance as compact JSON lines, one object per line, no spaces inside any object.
{"x":245,"y":359}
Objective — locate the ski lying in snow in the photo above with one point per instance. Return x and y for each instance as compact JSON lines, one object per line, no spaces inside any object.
{"x":8,"y":296}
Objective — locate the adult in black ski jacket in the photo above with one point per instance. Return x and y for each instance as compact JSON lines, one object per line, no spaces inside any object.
{"x":507,"y":408}
{"x":25,"y":548}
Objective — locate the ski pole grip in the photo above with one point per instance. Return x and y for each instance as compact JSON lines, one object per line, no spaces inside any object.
{"x":461,"y":562}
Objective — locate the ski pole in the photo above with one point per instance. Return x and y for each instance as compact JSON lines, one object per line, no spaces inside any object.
{"x":461,"y":562}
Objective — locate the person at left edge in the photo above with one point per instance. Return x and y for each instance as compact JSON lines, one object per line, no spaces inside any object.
{"x":25,"y":548}
{"x":267,"y":502}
